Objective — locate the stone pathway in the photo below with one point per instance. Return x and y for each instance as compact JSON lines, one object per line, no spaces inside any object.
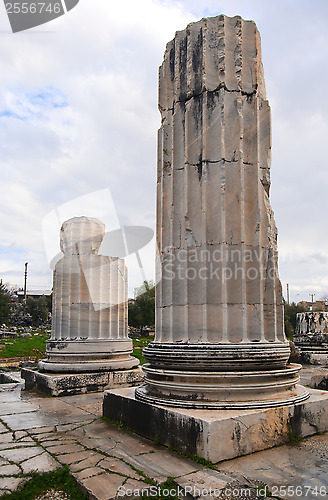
{"x":38,"y":433}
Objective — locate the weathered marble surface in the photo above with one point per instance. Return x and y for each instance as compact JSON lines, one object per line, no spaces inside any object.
{"x":219,"y":304}
{"x":219,"y":434}
{"x":90,"y":327}
{"x":214,"y":219}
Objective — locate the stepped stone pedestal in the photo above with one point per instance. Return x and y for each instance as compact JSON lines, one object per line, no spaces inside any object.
{"x":89,"y":348}
{"x":312,"y":337}
{"x":220,"y":345}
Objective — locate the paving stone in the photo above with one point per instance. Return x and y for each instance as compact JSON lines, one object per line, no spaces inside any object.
{"x":125,"y":439}
{"x":202,"y":480}
{"x":7,"y":396}
{"x":3,"y":428}
{"x":103,"y":487}
{"x":49,"y":436}
{"x":33,"y":420}
{"x":152,"y":471}
{"x":135,"y":445}
{"x":159,"y":465}
{"x":25,"y":440}
{"x":18,"y":407}
{"x":115,"y":465}
{"x":44,"y":430}
{"x":60,"y":441}
{"x":97,"y":429}
{"x":137,"y":487}
{"x":20,"y":454}
{"x":9,"y":470}
{"x":80,"y":399}
{"x":89,"y":472}
{"x":30,"y":420}
{"x":101,"y":444}
{"x":92,"y":460}
{"x":94,"y":409}
{"x":168,"y":463}
{"x":7,"y":437}
{"x":69,"y":427}
{"x":40,"y":463}
{"x":11,"y":483}
{"x":20,"y":435}
{"x":72,"y":458}
{"x":17,"y":444}
{"x":61,"y":449}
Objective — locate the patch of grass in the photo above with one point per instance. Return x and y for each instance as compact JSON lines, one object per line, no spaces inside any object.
{"x":119,"y":424}
{"x":138,"y":345}
{"x":157,"y":440}
{"x":34,"y":346}
{"x":59,"y":480}
{"x":141,"y":341}
{"x":292,"y":437}
{"x":169,"y":490}
{"x":194,"y":458}
{"x":137,"y":353}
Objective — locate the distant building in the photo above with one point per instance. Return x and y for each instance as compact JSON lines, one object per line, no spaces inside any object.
{"x":318,"y":305}
{"x":32,"y":293}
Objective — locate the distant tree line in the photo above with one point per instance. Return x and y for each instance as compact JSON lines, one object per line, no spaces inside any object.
{"x":142,"y":310}
{"x":291,"y":311}
{"x":34,"y":312}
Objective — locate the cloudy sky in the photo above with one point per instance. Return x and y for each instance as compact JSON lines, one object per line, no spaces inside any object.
{"x":79,"y":117}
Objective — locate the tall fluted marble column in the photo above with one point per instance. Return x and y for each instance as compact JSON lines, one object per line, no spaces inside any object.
{"x":219,"y":311}
{"x":90,"y":327}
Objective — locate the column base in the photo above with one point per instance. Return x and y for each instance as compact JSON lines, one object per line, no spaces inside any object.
{"x":218,"y":435}
{"x":217,"y":356}
{"x":68,"y":384}
{"x":78,"y":356}
{"x":222,"y":390}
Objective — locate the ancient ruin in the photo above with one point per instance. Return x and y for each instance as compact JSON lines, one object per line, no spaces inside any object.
{"x":312,"y":336}
{"x":89,"y":337}
{"x":219,"y":341}
{"x":220,"y":338}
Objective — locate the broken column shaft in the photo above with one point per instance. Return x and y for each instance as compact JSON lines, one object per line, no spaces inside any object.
{"x":220,"y":338}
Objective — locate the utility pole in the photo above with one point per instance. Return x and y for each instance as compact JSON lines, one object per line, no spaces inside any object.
{"x":25,"y":280}
{"x":287,"y":293}
{"x":312,"y":295}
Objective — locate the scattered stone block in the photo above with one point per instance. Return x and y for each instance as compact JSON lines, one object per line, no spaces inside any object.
{"x":80,"y":383}
{"x":320,"y":380}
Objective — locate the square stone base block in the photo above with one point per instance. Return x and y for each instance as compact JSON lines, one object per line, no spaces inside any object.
{"x":67,"y":384}
{"x":218,"y":434}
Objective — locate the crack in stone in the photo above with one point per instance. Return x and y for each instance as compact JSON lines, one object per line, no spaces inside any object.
{"x":221,"y":86}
